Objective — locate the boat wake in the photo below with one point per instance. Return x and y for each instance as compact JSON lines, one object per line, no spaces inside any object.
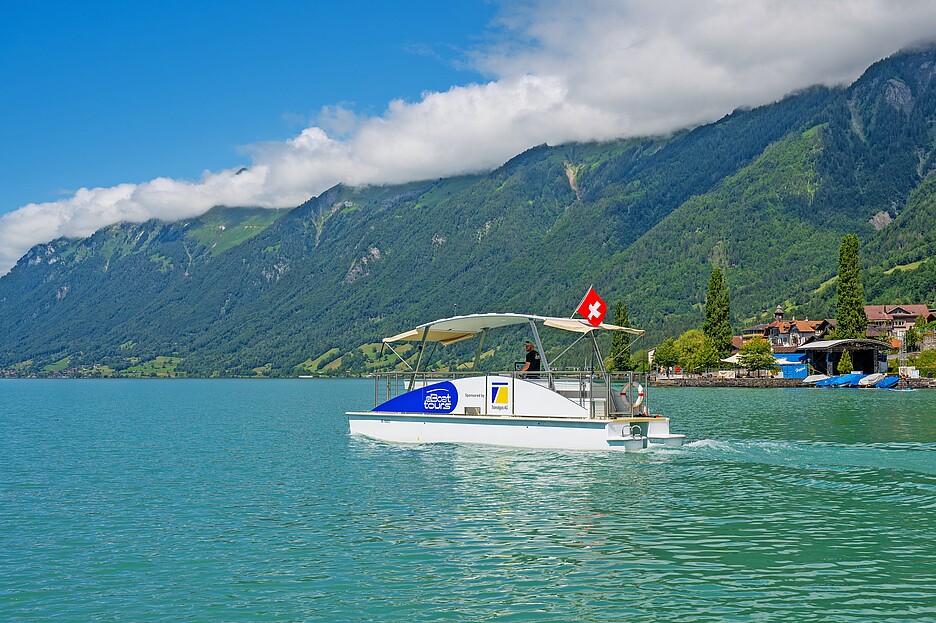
{"x":917,"y":457}
{"x":708,"y":443}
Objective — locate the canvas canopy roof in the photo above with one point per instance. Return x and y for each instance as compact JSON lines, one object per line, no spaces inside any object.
{"x":451,"y":330}
{"x":784,"y":360}
{"x":840,"y":345}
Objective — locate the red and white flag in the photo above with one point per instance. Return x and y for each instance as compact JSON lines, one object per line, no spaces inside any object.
{"x":592,"y":307}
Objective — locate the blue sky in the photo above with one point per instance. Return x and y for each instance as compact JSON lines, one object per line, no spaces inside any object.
{"x":99,"y":93}
{"x":126,"y":111}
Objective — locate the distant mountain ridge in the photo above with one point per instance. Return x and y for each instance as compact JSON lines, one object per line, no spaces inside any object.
{"x":764,"y":194}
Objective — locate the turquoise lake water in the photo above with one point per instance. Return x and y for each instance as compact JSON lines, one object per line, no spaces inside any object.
{"x":237,"y":500}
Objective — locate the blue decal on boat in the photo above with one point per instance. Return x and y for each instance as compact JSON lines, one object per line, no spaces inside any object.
{"x":438,"y":398}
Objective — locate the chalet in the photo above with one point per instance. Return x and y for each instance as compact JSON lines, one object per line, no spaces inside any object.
{"x":894,"y":320}
{"x":886,"y":323}
{"x":794,"y":333}
{"x":800,"y":342}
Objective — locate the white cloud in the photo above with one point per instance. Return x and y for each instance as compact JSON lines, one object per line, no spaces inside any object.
{"x":562,"y":70}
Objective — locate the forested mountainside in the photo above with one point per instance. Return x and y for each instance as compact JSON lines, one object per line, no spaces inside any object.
{"x":764,"y":194}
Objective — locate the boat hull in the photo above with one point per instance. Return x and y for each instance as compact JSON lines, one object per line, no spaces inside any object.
{"x":517,"y":431}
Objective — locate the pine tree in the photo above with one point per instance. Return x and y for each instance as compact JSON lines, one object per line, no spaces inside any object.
{"x":914,"y":334}
{"x":717,"y":308}
{"x":845,"y":364}
{"x":850,"y":317}
{"x":620,"y":341}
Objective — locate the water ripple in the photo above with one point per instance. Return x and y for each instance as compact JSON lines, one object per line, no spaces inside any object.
{"x":245,"y":501}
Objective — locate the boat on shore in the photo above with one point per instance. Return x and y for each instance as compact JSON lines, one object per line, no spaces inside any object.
{"x":871,"y":380}
{"x":577,"y":409}
{"x":863,"y":381}
{"x":888,"y":382}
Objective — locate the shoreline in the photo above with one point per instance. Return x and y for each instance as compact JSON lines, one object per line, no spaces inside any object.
{"x":761,"y":383}
{"x":743,"y":383}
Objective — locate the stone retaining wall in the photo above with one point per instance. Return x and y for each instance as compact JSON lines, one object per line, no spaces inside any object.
{"x":758,"y":382}
{"x":720,"y":382}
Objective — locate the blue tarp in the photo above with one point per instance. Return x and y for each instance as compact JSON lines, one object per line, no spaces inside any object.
{"x":842,"y":380}
{"x":848,"y":379}
{"x":888,"y":381}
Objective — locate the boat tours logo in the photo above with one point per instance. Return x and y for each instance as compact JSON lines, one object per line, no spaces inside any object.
{"x":500,"y":396}
{"x":438,"y":399}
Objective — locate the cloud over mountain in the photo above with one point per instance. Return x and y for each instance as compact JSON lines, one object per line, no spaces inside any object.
{"x":560,"y":71}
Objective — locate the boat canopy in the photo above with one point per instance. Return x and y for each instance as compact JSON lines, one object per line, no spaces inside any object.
{"x":451,"y":330}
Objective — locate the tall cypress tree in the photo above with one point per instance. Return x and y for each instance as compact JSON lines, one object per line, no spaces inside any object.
{"x":716,"y":326}
{"x":620,"y":341}
{"x":850,"y":317}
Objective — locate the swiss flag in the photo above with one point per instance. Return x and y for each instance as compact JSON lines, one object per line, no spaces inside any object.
{"x":592,"y":307}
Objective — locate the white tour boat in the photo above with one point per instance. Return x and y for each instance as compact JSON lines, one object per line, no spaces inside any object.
{"x":569,"y":409}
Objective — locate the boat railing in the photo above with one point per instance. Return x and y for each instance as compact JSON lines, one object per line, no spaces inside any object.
{"x":602,"y":394}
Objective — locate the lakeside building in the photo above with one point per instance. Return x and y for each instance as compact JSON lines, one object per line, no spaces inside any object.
{"x":885,"y":322}
{"x":785,"y":336}
{"x":892,"y":321}
{"x":800,"y":342}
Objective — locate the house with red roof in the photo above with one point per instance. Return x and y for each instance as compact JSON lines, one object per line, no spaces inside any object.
{"x":793,"y":333}
{"x":894,"y":320}
{"x":886,"y":322}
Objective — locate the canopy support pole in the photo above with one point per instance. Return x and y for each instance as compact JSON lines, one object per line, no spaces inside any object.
{"x":604,"y":374}
{"x":597,"y":352}
{"x":569,"y":347}
{"x":405,"y":362}
{"x":422,"y":349}
{"x":432,"y":350}
{"x":477,"y":359}
{"x":542,"y":353}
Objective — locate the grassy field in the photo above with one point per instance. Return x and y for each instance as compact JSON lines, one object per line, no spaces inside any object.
{"x":160,"y":367}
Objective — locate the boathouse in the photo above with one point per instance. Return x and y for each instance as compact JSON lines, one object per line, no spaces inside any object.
{"x":867,"y":356}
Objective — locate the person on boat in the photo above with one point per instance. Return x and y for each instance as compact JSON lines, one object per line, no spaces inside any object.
{"x":532,"y":359}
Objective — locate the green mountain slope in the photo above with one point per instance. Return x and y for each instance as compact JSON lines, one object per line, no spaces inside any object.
{"x":764,"y":194}
{"x":903,"y":264}
{"x":757,"y":226}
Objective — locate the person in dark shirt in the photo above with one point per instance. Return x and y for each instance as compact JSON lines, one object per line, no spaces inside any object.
{"x":532,"y":359}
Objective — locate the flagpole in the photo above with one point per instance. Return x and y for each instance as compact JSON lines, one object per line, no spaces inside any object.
{"x":590,"y":288}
